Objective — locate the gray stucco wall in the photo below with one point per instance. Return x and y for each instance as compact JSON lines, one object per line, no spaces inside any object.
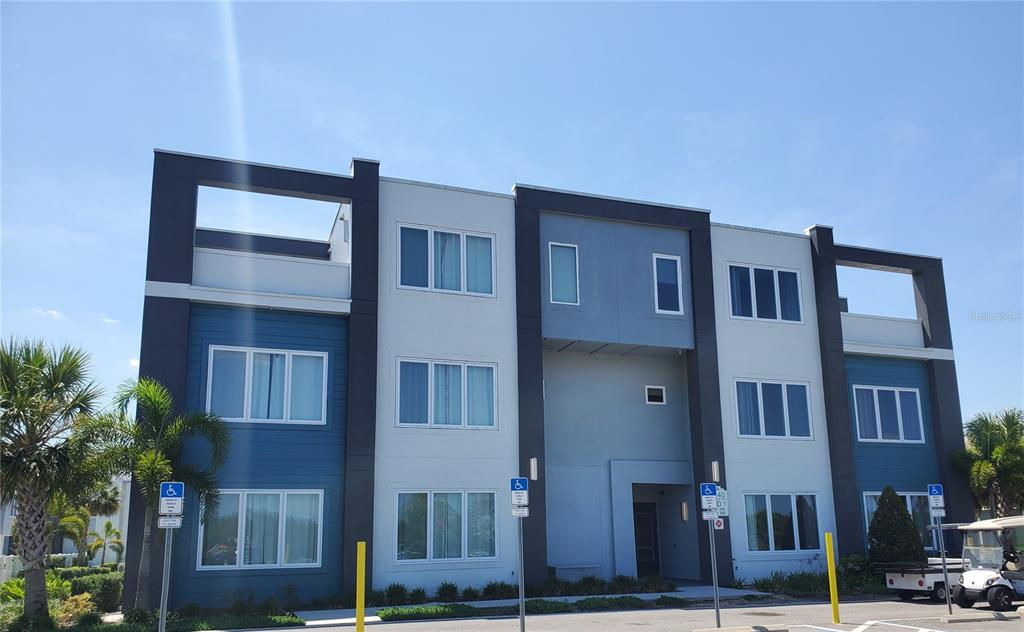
{"x":616,"y":282}
{"x":601,"y":438}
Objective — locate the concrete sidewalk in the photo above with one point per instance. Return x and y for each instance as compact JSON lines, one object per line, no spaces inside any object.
{"x":346,"y":616}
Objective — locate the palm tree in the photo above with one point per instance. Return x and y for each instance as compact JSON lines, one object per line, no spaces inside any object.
{"x":43,"y":391}
{"x":69,"y":516}
{"x":154,"y":441}
{"x":111,"y":539}
{"x":994,"y":460}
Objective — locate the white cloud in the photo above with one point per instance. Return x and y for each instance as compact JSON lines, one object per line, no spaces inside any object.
{"x":107,"y":320}
{"x":134,"y":363}
{"x":52,"y":314}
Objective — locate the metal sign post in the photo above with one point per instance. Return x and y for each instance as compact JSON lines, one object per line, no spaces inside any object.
{"x":520,"y":487}
{"x":937,"y":507}
{"x":172,"y":500}
{"x":709,"y":503}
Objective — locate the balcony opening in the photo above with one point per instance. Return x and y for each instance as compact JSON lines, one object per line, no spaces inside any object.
{"x":877,"y":292}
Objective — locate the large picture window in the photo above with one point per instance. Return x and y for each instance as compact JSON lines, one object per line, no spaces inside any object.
{"x":446,"y":394}
{"x":263,"y":529}
{"x":888,"y":414}
{"x":781,"y":522}
{"x":917,"y":505}
{"x":445,"y":260}
{"x":764,"y":293}
{"x":446,"y":525}
{"x":267,"y":385}
{"x":773,"y":409}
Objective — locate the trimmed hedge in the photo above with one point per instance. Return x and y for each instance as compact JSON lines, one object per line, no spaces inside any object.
{"x":439,"y":611}
{"x":105,"y":588}
{"x":72,"y":572}
{"x":610,"y":603}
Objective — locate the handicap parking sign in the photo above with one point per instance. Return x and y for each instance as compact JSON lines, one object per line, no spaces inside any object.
{"x":172,"y":490}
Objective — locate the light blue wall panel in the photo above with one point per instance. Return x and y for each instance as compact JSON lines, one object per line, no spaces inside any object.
{"x":268,"y":456}
{"x":616,"y":282}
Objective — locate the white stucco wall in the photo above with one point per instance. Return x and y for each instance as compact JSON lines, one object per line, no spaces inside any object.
{"x":425,"y":324}
{"x":770,"y":351}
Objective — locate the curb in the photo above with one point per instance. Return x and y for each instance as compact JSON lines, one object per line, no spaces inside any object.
{"x":982,"y":616}
{"x":747,"y":628}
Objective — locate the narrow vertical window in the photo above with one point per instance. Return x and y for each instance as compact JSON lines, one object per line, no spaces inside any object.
{"x":739,"y":291}
{"x":301,"y":528}
{"x":447,"y":261}
{"x":413,"y":393}
{"x":789,"y":295}
{"x":262,"y":521}
{"x":227,"y":384}
{"x":799,"y":417}
{"x":480,"y":524}
{"x":479,"y":395}
{"x":911,"y":415}
{"x":267,"y":397}
{"x":414,"y":257}
{"x":888,"y":415}
{"x":448,"y":394}
{"x":307,"y":388}
{"x":668,"y":285}
{"x":220,"y":534}
{"x":564,"y":271}
{"x":782,"y":522}
{"x":764,"y":293}
{"x":749,"y":408}
{"x":774,"y":411}
{"x":412,"y":526}
{"x":867,"y":426}
{"x":447,"y":525}
{"x":807,"y":522}
{"x":757,"y":523}
{"x":479,"y":273}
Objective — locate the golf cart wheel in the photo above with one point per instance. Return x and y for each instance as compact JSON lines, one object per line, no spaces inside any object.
{"x":938,"y":594}
{"x":906,"y":595}
{"x":1000,"y":598}
{"x":960,"y":597}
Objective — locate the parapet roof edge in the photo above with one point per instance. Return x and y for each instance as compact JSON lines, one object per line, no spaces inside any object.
{"x":611,"y":197}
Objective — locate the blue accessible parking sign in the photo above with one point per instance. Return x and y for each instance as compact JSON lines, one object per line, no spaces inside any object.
{"x":935,"y":489}
{"x":520,"y":484}
{"x":172,"y":490}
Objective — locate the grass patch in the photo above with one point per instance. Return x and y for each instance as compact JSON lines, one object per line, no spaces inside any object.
{"x":439,"y":611}
{"x":591,"y":604}
{"x":544,"y":606}
{"x":668,"y":601}
{"x":195,"y":624}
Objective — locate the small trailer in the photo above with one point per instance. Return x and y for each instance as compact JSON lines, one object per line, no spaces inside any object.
{"x":919,"y":579}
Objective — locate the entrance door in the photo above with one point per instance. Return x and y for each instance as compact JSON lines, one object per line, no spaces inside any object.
{"x":645,"y":525}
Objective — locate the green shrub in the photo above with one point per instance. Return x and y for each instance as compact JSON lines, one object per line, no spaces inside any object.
{"x":627,"y":602}
{"x":544,"y":606}
{"x":806,"y":583}
{"x":892,"y":536}
{"x":9,"y":611}
{"x":14,"y":589}
{"x":448,"y":592}
{"x":552,"y":587}
{"x":624,"y":584}
{"x":500,"y":590}
{"x":396,"y":594}
{"x":269,"y":606}
{"x":31,"y":624}
{"x":72,"y":572}
{"x":74,"y":608}
{"x":655,"y":583}
{"x":56,"y":561}
{"x":439,"y":611}
{"x":376,"y":598}
{"x":139,"y":615}
{"x":470,"y":594}
{"x":89,"y":620}
{"x":738,"y":583}
{"x":417,"y":596}
{"x":670,"y":601}
{"x":771,"y":583}
{"x":290,"y":597}
{"x":105,"y":588}
{"x":589,"y":585}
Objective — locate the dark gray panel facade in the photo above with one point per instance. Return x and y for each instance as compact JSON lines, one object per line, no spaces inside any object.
{"x":265,"y":244}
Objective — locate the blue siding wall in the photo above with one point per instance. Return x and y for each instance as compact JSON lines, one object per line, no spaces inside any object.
{"x":907,"y":467}
{"x":267,"y":456}
{"x":616,"y":283}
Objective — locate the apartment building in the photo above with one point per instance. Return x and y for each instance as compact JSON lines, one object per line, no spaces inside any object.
{"x":384,"y":383}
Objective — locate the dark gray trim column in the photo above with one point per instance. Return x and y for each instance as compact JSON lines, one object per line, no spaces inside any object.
{"x":361,"y":430}
{"x":701,"y":362}
{"x":845,"y":490}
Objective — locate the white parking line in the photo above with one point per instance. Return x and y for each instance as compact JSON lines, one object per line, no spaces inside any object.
{"x":815,"y":627}
{"x":897,"y":625}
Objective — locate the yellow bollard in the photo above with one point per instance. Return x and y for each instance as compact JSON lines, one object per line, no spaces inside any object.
{"x":833,"y":590}
{"x":360,"y":585}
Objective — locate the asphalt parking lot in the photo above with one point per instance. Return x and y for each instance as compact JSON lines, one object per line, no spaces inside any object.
{"x":863,"y":616}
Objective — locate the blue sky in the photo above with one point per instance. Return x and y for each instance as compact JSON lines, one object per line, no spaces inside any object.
{"x":899,"y":124}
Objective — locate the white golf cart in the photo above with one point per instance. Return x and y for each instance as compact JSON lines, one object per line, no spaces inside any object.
{"x":993,"y":563}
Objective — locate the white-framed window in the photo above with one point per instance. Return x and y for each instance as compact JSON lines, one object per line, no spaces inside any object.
{"x":564,"y":273}
{"x":267,"y":385}
{"x":917,"y":505}
{"x":668,"y":284}
{"x":764,"y":293}
{"x":781,"y":522}
{"x":446,"y":393}
{"x":888,"y":414}
{"x":445,"y":525}
{"x":444,"y":260}
{"x":767,"y":408}
{"x":655,"y":395}
{"x":263,"y":528}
